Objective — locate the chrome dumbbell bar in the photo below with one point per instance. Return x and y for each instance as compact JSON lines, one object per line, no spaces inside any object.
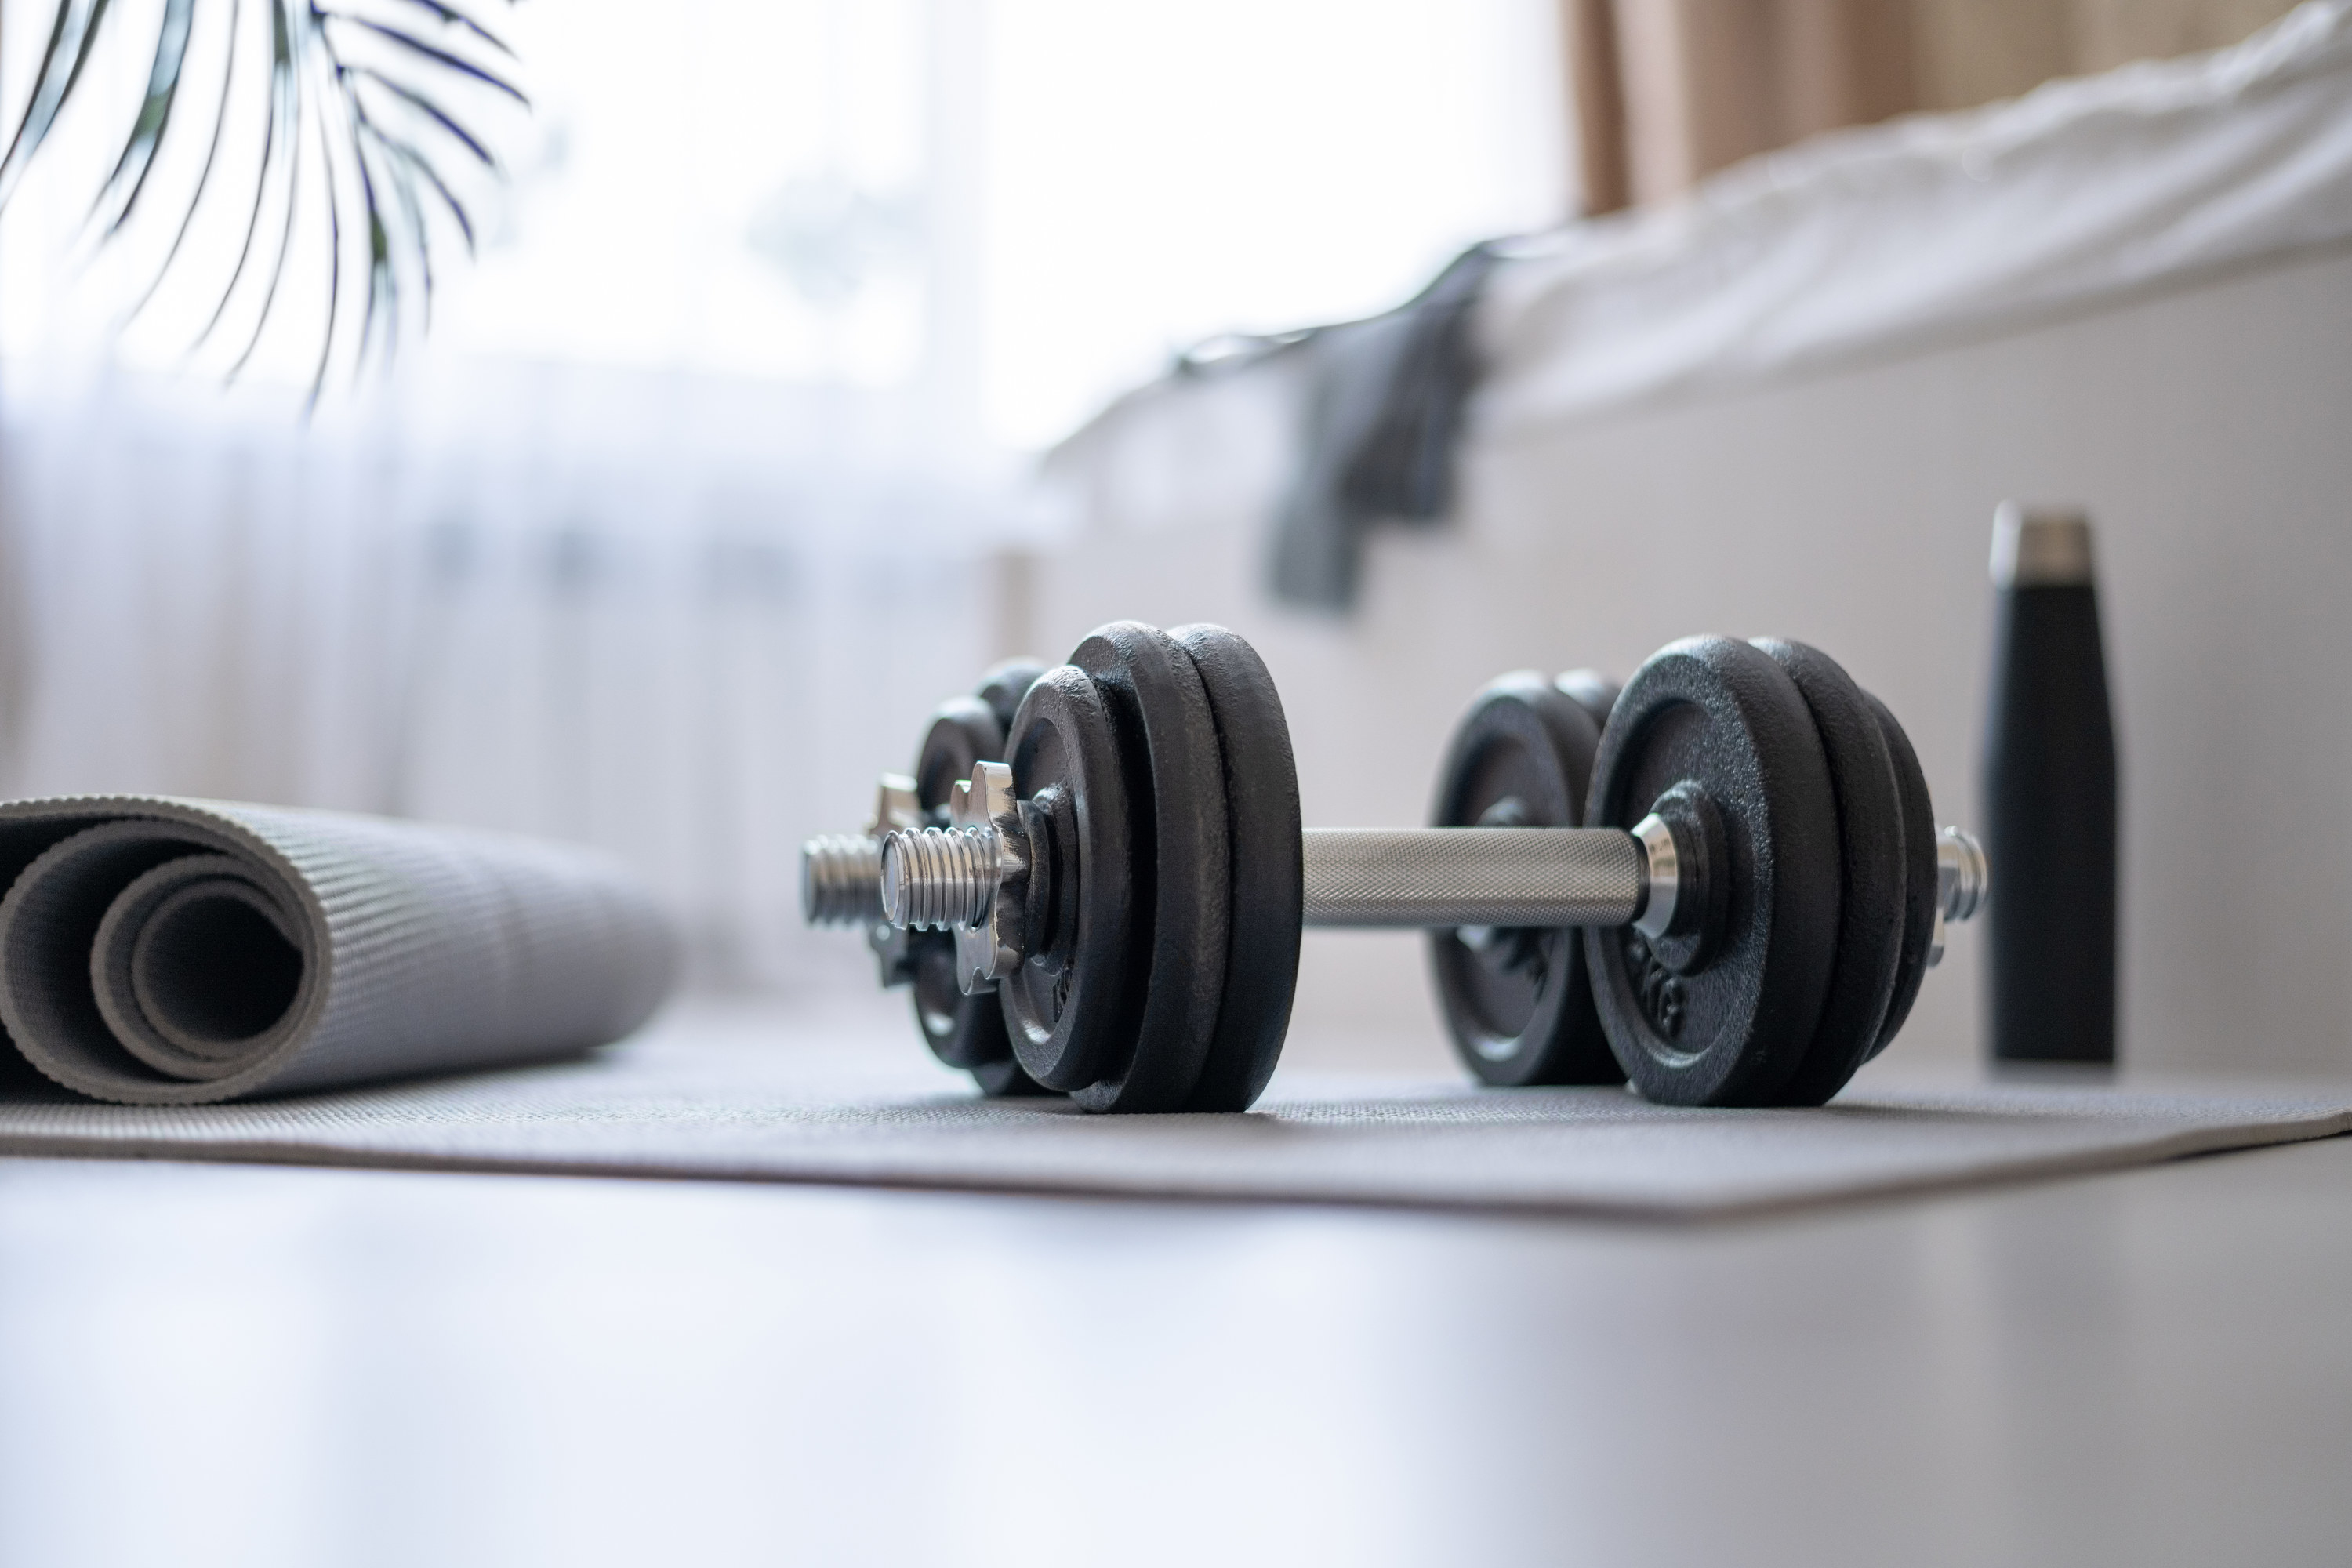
{"x":956,"y":877}
{"x":1455,"y":877}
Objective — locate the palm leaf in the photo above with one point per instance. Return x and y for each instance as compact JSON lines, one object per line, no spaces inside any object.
{"x":261,"y":180}
{"x":386,"y":92}
{"x":403,"y":152}
{"x":70,"y":37}
{"x":130,"y":170}
{"x":334,"y":265}
{"x":367,"y":76}
{"x":285,"y":126}
{"x":442,"y":58}
{"x":203,"y":176}
{"x":451,"y":14}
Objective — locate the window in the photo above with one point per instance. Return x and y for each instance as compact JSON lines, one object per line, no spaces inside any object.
{"x":1015,"y":208}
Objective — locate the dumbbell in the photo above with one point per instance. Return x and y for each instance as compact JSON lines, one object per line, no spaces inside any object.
{"x":1518,"y":1002}
{"x":1750,"y":857}
{"x":841,"y":879}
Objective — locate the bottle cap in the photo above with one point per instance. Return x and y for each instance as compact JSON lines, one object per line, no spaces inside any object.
{"x":2040,"y":549}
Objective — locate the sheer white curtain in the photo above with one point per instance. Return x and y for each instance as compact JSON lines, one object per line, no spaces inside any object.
{"x":603,"y":609}
{"x":699,"y":497}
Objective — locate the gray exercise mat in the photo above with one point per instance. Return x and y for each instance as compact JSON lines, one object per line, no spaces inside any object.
{"x":774,"y":1100}
{"x":157,"y":952}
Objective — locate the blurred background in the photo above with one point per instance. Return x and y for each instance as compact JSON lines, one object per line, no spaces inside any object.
{"x":772,"y":409}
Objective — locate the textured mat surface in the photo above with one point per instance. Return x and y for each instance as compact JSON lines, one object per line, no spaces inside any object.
{"x":156,"y":951}
{"x":767,"y":1101}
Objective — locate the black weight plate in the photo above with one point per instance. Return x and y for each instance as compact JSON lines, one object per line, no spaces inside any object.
{"x":1519,"y":1005}
{"x":1004,"y":686}
{"x":1267,"y":888}
{"x":1592,"y":691}
{"x":1004,"y":1079}
{"x":1873,"y":884}
{"x":1919,"y":869}
{"x":1065,"y":1007}
{"x":962,"y":1031}
{"x":963,"y":731}
{"x":1176,"y":795}
{"x":1720,"y":716}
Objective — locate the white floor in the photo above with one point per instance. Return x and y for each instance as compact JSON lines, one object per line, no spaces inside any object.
{"x":261,"y":1366}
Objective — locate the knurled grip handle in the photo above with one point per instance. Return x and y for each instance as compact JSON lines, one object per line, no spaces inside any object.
{"x":1473,"y":876}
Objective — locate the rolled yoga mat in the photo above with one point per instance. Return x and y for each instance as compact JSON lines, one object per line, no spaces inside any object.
{"x":156,"y":951}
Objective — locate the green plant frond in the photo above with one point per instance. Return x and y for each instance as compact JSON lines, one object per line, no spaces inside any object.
{"x":416,"y":46}
{"x":154,"y":113}
{"x":412,"y":213}
{"x":385,"y":93}
{"x":203,"y":175}
{"x":382,"y":290}
{"x":357,"y":74}
{"x":457,"y":19}
{"x":70,"y":37}
{"x":286,"y":111}
{"x":260,"y":193}
{"x":408,"y":155}
{"x":334,"y":265}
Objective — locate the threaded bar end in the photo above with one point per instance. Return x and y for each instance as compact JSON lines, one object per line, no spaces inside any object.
{"x":840,"y":876}
{"x":938,"y":878}
{"x":1963,"y":876}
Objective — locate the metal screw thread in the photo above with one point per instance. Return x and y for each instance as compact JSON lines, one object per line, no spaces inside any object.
{"x":1963,"y":876}
{"x":841,"y":875}
{"x":938,"y":878}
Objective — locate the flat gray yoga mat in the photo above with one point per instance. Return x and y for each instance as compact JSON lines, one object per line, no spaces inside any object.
{"x":157,"y":952}
{"x":753,"y":1100}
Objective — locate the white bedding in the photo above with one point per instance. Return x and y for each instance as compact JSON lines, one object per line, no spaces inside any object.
{"x":1871,"y":240}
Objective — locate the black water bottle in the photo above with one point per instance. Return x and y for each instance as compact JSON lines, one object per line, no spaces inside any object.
{"x":2050,"y":797}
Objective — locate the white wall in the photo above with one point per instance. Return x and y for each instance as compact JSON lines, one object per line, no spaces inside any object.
{"x":2210,"y":431}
